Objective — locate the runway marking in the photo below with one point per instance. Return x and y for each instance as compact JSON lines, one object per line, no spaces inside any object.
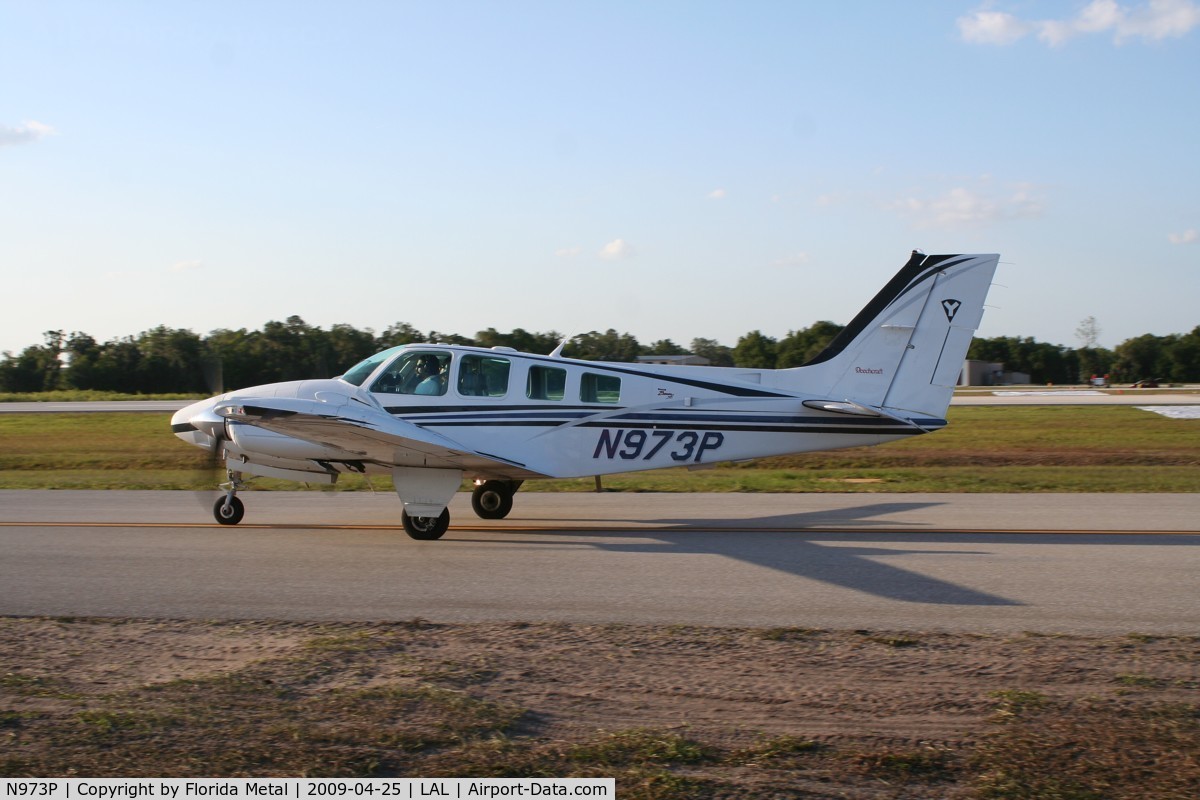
{"x":647,"y":528}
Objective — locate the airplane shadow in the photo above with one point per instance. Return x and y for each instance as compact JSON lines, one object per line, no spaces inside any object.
{"x":795,"y":551}
{"x":853,"y":567}
{"x":858,"y":516}
{"x":809,"y":545}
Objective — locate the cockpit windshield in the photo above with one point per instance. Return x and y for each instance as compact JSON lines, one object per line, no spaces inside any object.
{"x":363,"y":369}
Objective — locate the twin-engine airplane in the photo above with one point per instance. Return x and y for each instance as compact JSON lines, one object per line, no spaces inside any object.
{"x":432,"y":414}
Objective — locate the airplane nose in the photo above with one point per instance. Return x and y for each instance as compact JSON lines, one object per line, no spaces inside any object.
{"x":180,"y":418}
{"x":197,"y":424}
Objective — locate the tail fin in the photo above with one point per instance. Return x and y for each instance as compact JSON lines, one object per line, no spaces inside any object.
{"x":904,"y":351}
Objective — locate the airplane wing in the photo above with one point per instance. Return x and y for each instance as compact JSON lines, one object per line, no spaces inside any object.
{"x":366,"y":433}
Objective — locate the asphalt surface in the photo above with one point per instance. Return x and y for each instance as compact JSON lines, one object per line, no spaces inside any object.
{"x":989,"y":563}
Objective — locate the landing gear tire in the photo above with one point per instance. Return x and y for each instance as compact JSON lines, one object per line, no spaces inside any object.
{"x":229,"y":513}
{"x":426,"y":528}
{"x":492,"y":500}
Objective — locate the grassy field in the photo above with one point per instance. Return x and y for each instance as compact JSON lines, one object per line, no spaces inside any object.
{"x":87,"y":395}
{"x":985,"y":449}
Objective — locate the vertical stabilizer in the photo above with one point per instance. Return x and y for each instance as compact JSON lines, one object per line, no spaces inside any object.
{"x":904,"y":351}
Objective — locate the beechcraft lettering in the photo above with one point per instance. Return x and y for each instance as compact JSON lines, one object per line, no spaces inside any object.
{"x":430,"y":415}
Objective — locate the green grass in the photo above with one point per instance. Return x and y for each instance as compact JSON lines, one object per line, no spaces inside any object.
{"x":84,"y":395}
{"x":984,"y":449}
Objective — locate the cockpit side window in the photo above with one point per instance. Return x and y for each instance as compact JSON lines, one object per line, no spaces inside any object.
{"x":483,"y":376}
{"x":419,"y":373}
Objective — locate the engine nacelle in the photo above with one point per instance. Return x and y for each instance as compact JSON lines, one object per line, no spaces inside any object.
{"x":252,"y":440}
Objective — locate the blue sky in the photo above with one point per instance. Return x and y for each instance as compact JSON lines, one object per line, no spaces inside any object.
{"x":670,"y":169}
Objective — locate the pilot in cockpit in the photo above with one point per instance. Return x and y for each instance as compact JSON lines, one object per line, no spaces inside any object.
{"x":430,"y":380}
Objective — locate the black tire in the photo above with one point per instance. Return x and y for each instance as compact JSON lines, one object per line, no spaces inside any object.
{"x":426,"y":528}
{"x":231,"y":514}
{"x":492,"y":500}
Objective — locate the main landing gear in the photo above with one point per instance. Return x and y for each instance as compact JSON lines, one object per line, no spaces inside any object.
{"x":490,"y":499}
{"x":426,"y":528}
{"x":493,"y":499}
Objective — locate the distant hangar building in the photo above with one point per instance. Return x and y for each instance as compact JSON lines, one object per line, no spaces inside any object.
{"x":986,"y":373}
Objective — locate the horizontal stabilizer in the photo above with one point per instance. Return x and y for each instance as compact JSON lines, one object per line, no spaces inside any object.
{"x":843,"y":407}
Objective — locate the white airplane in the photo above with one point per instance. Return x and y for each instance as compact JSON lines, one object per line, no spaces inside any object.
{"x":431,"y":414}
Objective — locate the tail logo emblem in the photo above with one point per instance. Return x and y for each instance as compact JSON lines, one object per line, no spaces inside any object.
{"x":951,"y":308}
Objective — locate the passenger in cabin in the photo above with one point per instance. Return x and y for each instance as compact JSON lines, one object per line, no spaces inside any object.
{"x":471,"y":380}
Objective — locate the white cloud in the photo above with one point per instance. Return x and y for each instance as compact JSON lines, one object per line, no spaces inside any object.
{"x":965,"y":207}
{"x":1190,"y":236}
{"x":716,"y":194}
{"x":1160,"y":19}
{"x":960,"y":206}
{"x":992,"y":27}
{"x":187,"y":266}
{"x":28,"y":131}
{"x":617,"y":249}
{"x":1150,"y":20}
{"x":568,"y":252}
{"x":1096,"y":17}
{"x":1054,"y":33}
{"x":795,"y":260}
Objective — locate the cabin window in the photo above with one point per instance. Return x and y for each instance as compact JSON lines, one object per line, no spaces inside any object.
{"x":415,"y":373}
{"x":546,"y":383}
{"x":595,"y":388}
{"x":483,"y":376}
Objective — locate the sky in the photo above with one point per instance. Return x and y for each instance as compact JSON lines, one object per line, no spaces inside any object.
{"x":669,"y":169}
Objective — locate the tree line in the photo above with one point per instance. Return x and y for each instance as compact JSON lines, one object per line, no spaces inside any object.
{"x":173,"y":360}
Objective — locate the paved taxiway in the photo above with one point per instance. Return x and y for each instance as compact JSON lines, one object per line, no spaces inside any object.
{"x":989,"y":563}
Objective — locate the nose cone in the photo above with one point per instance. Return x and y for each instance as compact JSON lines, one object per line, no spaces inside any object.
{"x":197,"y":424}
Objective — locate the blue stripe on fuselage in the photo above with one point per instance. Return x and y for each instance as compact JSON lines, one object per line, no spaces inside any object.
{"x":699,"y":421}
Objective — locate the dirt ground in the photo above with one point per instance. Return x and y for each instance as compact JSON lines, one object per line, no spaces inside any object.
{"x":670,"y":711}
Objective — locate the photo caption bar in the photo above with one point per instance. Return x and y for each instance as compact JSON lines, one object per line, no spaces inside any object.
{"x":303,"y":788}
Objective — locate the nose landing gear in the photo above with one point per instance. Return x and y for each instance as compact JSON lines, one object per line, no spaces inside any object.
{"x":229,"y":510}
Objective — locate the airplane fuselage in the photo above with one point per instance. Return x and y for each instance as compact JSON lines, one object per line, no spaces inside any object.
{"x":542,"y":416}
{"x":653,"y":416}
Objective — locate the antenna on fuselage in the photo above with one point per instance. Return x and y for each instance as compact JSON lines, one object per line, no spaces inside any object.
{"x":557,"y":352}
